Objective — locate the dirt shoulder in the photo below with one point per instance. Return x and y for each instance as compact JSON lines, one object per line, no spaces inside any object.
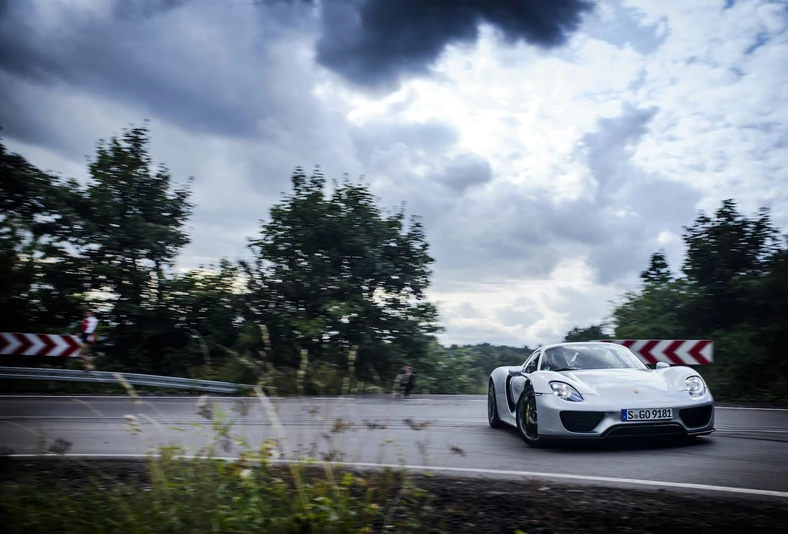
{"x":495,"y":506}
{"x":482,"y":505}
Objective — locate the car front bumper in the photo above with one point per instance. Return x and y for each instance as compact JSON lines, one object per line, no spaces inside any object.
{"x":594,"y":418}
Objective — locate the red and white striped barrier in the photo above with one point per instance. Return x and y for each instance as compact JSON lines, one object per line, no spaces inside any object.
{"x":672,"y":351}
{"x":61,"y":346}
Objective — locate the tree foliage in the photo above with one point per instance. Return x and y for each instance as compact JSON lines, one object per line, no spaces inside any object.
{"x":332,"y":271}
{"x":732,"y":290}
{"x":333,"y":274}
{"x":130,"y":233}
{"x":591,"y":333}
{"x":132,"y":223}
{"x":40,"y":280}
{"x":658,"y":271}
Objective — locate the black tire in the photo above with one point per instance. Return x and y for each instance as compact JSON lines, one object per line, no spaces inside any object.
{"x":528,"y":427}
{"x":492,"y":408}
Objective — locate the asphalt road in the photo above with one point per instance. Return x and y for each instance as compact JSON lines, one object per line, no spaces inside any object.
{"x":747,"y":451}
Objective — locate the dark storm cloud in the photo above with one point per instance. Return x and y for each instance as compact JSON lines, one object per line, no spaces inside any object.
{"x":18,"y":121}
{"x":27,"y":51}
{"x":157,"y":57}
{"x":372,"y":42}
{"x":143,"y":8}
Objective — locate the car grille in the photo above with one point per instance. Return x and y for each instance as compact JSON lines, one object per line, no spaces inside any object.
{"x":645,"y":429}
{"x":698,"y":416}
{"x":581,"y":421}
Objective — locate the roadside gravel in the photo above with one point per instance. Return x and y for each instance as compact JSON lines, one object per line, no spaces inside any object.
{"x":495,"y":506}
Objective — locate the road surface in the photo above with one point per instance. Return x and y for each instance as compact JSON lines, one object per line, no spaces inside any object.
{"x":442,"y":432}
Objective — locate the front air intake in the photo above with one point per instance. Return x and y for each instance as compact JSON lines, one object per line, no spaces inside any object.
{"x":581,"y":421}
{"x":696,"y":417}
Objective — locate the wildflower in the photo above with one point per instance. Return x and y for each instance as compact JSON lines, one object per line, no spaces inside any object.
{"x":269,"y":449}
{"x":133,"y":427}
{"x":204,"y":408}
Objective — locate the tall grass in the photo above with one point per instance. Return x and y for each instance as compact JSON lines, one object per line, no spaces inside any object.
{"x":227,"y":485}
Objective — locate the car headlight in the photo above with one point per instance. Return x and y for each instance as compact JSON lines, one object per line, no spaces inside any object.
{"x":566,"y":392}
{"x":695,"y":386}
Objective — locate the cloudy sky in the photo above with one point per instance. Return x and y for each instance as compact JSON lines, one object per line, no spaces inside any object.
{"x":548,"y":150}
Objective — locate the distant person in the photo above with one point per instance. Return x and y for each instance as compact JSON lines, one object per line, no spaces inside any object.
{"x":88,"y":335}
{"x":405,"y":379}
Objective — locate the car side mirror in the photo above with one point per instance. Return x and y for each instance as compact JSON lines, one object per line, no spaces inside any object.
{"x":516,"y":371}
{"x":662,"y":365}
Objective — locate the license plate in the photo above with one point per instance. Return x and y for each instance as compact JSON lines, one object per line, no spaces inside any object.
{"x":649,"y":414}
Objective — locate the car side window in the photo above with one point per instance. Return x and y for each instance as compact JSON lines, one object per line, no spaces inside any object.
{"x":529,"y":359}
{"x":530,"y":365}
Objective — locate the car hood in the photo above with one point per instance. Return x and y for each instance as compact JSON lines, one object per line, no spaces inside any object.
{"x":612,"y":382}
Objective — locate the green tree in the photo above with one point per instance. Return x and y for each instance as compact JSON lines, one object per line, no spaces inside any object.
{"x":487,"y":357}
{"x":448,"y":372}
{"x":656,"y":312}
{"x":40,"y":284}
{"x":590,"y":333}
{"x":132,"y":228}
{"x":770,"y":296}
{"x":727,"y":245}
{"x":732,"y":291}
{"x":722,"y":251}
{"x":332,"y":271}
{"x":205,"y":309}
{"x":658,"y":271}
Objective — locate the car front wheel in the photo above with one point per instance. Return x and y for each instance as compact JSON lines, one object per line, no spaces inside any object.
{"x":527,"y":421}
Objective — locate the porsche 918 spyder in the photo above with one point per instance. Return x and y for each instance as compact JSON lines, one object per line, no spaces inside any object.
{"x":596,"y":390}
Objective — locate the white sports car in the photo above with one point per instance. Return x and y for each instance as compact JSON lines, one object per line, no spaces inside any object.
{"x":596,"y":390}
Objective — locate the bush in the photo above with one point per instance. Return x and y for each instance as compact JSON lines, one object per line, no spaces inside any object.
{"x":173,"y":494}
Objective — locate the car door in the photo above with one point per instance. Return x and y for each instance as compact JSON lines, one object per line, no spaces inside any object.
{"x":517,"y":383}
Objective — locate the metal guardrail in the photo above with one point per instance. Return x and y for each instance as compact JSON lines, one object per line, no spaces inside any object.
{"x":75,"y":375}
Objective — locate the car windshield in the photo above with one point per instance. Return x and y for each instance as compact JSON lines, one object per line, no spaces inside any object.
{"x":577,"y":357}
